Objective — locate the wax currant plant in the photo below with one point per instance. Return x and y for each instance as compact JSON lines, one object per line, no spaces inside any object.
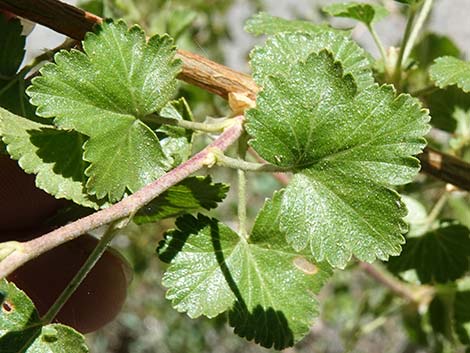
{"x":103,"y":126}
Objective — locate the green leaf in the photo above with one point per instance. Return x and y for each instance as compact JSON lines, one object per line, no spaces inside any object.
{"x":439,"y":256}
{"x":264,"y":23}
{"x":54,"y":155}
{"x":443,"y":105}
{"x":12,"y":87}
{"x":257,"y":278}
{"x":21,"y":329}
{"x":179,"y":20}
{"x":14,"y":98}
{"x":448,"y":71}
{"x":103,"y":93}
{"x":94,"y":6}
{"x":366,"y":13}
{"x":282,"y":53}
{"x":462,"y":315}
{"x":190,"y":195}
{"x":11,"y":46}
{"x":345,"y":148}
{"x":409,"y":2}
{"x":441,"y":315}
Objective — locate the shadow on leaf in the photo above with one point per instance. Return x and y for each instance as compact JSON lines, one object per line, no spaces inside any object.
{"x":63,"y":149}
{"x":265,"y":326}
{"x":18,"y":341}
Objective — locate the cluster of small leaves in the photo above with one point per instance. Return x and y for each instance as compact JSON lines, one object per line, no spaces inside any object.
{"x":20,"y":323}
{"x":347,"y":140}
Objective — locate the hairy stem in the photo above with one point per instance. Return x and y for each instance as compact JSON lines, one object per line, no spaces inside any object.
{"x":242,"y":148}
{"x":228,"y":162}
{"x":190,"y":125}
{"x":91,"y":261}
{"x":125,"y":208}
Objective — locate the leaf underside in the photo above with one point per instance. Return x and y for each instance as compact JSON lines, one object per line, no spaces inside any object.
{"x":213,"y":270}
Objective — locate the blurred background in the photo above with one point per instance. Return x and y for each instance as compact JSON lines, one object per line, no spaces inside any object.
{"x":357,"y":314}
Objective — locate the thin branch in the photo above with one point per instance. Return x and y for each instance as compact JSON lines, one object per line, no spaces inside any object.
{"x":423,"y":15}
{"x":228,"y":162}
{"x":90,"y":262}
{"x":190,"y":125}
{"x":446,"y":167}
{"x":125,"y":208}
{"x":406,"y":36}
{"x":396,"y":286}
{"x":75,"y":23}
{"x":202,"y":72}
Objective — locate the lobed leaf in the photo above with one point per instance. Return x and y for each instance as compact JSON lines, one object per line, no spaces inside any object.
{"x":264,"y":23}
{"x":366,"y":13}
{"x":346,"y":147}
{"x":439,"y":256}
{"x":190,"y":195}
{"x":212,"y":270}
{"x":448,"y":71}
{"x":283,"y":52}
{"x":21,"y":329}
{"x":103,"y":93}
{"x":54,"y":155}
